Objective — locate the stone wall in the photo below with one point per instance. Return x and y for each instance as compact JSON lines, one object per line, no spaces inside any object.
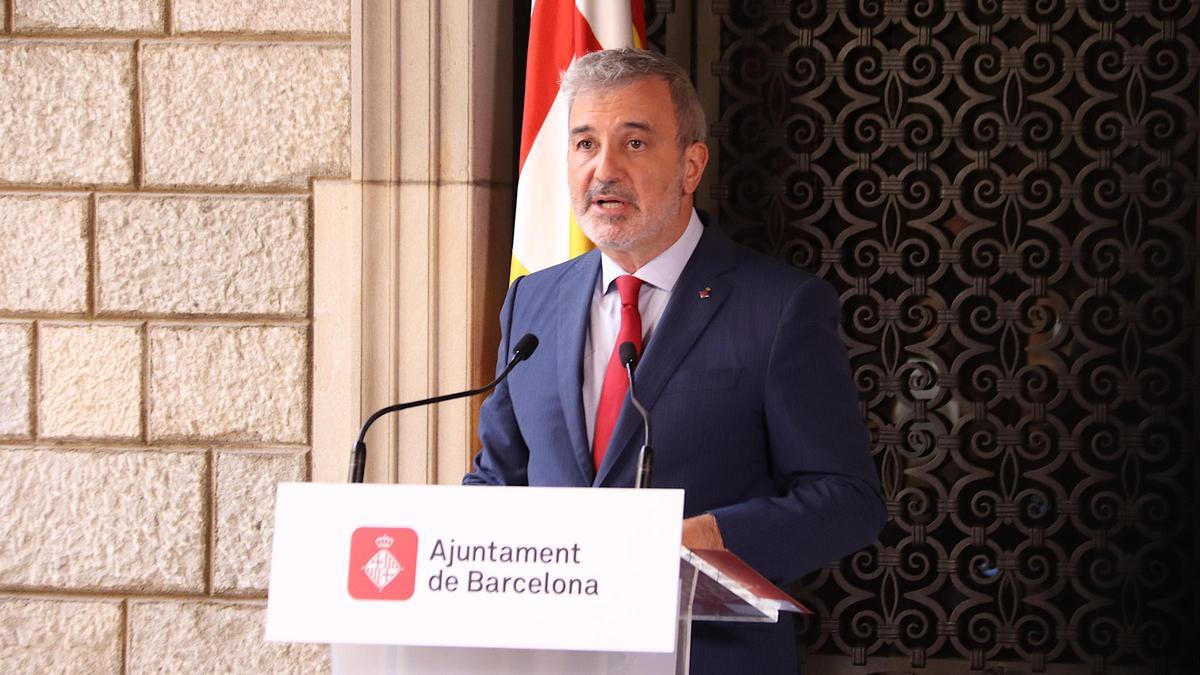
{"x":156,"y":159}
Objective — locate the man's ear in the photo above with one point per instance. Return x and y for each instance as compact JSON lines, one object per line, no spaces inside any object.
{"x":695,"y":158}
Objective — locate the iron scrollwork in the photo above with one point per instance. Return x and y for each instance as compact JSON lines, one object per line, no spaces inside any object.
{"x":1005,"y":195}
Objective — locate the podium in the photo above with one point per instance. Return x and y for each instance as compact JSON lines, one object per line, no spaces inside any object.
{"x":439,"y":579}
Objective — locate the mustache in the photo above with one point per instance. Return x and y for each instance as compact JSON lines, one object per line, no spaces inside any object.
{"x":610,"y":189}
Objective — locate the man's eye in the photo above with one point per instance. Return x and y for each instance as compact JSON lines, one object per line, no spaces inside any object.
{"x":584,"y":145}
{"x":636,"y":144}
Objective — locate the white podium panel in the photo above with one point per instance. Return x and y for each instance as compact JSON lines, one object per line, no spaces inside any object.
{"x":499,"y":570}
{"x":391,"y":660}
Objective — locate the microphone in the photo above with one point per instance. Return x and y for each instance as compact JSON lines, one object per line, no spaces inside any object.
{"x":629,"y":356}
{"x":358,"y":459}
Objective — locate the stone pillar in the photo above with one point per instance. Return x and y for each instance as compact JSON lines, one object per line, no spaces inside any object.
{"x":411,"y":254}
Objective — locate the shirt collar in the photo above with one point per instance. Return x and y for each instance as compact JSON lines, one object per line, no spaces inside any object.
{"x":664,"y":270}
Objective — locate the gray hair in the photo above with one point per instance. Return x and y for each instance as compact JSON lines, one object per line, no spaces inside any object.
{"x":620,"y":67}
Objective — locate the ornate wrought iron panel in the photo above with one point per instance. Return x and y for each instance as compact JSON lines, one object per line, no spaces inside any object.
{"x":1005,"y":194}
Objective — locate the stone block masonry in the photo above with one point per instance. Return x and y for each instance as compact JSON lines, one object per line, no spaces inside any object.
{"x":245,"y":502}
{"x":243,"y":383}
{"x":60,"y":636}
{"x":43,"y":263}
{"x":88,"y":15}
{"x":156,"y":158}
{"x":90,"y":381}
{"x":265,"y":115}
{"x":212,"y":637}
{"x":266,"y":16}
{"x":177,"y":254}
{"x":16,"y":351}
{"x":68,"y":116}
{"x":102,"y":520}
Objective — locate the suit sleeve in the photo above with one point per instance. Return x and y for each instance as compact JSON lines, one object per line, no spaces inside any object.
{"x":829,"y":502}
{"x":504,"y":457}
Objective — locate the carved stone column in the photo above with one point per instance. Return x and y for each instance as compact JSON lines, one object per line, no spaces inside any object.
{"x":411,"y":254}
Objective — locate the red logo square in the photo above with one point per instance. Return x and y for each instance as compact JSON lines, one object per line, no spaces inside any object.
{"x":383,"y":563}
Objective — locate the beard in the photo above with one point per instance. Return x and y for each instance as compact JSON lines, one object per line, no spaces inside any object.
{"x":626,"y":232}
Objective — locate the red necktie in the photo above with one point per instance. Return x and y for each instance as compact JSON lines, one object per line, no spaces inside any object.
{"x":616,"y":382}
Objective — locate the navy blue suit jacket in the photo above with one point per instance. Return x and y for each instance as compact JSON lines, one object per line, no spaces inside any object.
{"x":755,"y":416}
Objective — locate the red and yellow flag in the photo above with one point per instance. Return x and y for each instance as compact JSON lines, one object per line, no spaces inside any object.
{"x":560,"y":31}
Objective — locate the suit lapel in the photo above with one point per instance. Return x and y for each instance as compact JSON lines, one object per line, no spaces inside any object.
{"x":682,"y":322}
{"x":574,"y":306}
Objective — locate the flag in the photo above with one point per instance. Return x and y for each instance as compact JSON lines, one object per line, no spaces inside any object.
{"x":545,"y":232}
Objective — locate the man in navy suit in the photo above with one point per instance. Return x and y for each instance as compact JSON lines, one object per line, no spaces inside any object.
{"x":755,"y":412}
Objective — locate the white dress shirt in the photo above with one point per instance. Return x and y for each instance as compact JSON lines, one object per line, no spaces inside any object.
{"x":659,"y":275}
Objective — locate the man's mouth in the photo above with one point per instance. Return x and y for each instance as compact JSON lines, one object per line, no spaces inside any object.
{"x":609,"y":198}
{"x":611,"y":202}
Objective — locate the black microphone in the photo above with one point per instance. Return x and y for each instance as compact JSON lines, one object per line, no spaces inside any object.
{"x":358,"y":460}
{"x":629,"y":356}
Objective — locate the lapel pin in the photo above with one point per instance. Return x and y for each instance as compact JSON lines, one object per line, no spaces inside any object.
{"x":705,"y":293}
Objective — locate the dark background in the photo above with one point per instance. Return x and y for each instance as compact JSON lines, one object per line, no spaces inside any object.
{"x":1005,"y":195}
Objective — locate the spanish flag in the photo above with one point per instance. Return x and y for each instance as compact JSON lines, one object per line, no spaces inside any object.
{"x":545,"y":232}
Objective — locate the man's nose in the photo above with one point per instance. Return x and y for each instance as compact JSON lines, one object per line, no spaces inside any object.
{"x":609,"y":166}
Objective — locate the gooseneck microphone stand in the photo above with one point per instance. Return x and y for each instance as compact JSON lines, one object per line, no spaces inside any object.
{"x":629,"y":356}
{"x":358,"y":460}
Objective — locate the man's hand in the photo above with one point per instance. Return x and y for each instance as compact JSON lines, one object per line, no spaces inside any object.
{"x":702,"y":532}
